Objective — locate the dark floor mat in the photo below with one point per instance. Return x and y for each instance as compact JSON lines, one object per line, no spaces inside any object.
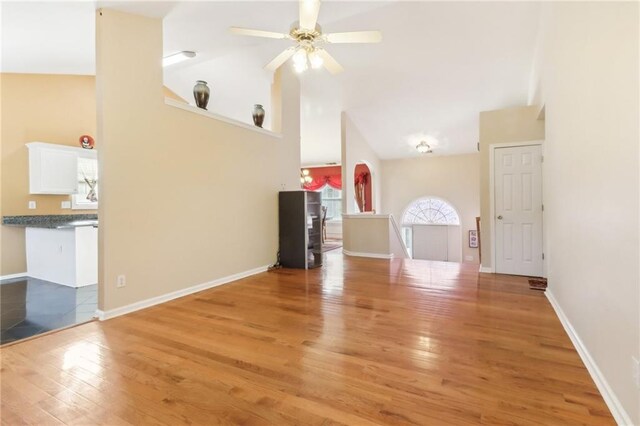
{"x":538,"y":284}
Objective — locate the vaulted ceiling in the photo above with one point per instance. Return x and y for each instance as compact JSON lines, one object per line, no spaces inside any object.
{"x":438,"y":66}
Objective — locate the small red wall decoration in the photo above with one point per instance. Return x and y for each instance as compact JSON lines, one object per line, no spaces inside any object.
{"x":362,"y":175}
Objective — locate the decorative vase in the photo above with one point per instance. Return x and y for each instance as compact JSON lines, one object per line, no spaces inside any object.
{"x":258,"y":115}
{"x":201,"y":94}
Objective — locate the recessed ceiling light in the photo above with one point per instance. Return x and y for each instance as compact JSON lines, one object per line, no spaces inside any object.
{"x":177,"y":57}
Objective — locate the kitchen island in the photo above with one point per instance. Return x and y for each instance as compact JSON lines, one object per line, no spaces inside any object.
{"x":62,"y":249}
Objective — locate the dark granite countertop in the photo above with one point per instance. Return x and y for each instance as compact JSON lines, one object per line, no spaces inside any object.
{"x":63,"y":221}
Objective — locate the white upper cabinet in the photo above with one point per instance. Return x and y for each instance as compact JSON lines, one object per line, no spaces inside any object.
{"x":53,"y":169}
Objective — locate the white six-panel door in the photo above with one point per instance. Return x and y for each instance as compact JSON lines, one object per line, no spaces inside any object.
{"x":518,"y":210}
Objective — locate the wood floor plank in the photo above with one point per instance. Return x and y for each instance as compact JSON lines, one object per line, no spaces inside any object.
{"x":357,"y":342}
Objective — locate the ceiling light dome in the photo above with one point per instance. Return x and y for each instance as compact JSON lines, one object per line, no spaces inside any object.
{"x":424,"y":148}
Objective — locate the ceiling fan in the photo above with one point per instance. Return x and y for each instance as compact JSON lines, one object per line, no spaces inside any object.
{"x":309,"y":40}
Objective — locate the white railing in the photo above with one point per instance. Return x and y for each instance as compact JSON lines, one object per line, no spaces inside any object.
{"x":398,"y":238}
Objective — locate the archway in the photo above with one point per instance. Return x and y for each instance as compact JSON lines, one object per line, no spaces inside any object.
{"x":363,"y":188}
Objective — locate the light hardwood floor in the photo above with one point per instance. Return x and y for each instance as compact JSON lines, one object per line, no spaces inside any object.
{"x":359,"y":342}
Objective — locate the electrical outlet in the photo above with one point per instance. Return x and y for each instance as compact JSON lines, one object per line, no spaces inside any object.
{"x":65,"y":205}
{"x":468,"y":258}
{"x":636,"y":371}
{"x":121,"y":281}
{"x":32,"y":205}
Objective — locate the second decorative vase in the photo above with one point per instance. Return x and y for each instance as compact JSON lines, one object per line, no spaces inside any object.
{"x":258,"y":115}
{"x":201,"y":94}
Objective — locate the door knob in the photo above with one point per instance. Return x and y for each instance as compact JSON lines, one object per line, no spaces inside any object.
{"x":500,"y":217}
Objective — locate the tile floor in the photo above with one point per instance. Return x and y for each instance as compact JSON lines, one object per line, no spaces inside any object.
{"x":30,"y":306}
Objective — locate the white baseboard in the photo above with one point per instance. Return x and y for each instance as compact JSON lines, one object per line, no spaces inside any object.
{"x":12,"y":276}
{"x":373,"y":255}
{"x":486,"y":269}
{"x":617,"y":410}
{"x":112,"y":313}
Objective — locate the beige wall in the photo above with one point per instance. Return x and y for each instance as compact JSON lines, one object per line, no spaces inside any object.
{"x":453,"y":178}
{"x":46,"y":108}
{"x":13,"y":252}
{"x":186,"y":199}
{"x":501,"y":127}
{"x":590,"y":89}
{"x":356,"y":149}
{"x":368,"y":234}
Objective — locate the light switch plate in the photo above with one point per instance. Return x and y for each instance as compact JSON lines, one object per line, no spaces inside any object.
{"x":65,"y":205}
{"x":32,"y":205}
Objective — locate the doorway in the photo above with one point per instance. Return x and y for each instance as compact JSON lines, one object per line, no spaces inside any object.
{"x":517,"y":189}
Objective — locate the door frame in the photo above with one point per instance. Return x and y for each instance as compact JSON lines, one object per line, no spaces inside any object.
{"x":492,"y":197}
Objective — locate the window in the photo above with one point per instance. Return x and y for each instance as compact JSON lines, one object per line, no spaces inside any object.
{"x":430,"y":211}
{"x":332,"y":200}
{"x":87,"y":196}
{"x":426,"y":211}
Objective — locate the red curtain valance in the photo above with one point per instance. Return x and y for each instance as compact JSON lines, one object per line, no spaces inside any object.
{"x":317,"y":183}
{"x":321,"y":176}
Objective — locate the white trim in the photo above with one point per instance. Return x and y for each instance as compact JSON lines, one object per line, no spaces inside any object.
{"x":372,"y":255}
{"x":365,"y":216}
{"x":12,"y":276}
{"x":492,"y":197}
{"x":105,"y":315}
{"x":318,"y":166}
{"x":617,"y":410}
{"x":485,"y":269}
{"x":82,"y":152}
{"x":200,"y":111}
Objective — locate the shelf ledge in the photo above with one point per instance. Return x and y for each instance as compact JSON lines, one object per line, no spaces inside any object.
{"x":209,"y":114}
{"x":365,"y":216}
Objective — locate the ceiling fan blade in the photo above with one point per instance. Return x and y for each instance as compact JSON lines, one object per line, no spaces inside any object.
{"x":329,"y":62}
{"x":309,"y":10}
{"x":257,"y":33}
{"x":280,"y":59}
{"x":355,"y":37}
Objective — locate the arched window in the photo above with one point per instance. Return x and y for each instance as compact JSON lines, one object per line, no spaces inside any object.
{"x":426,"y":211}
{"x":430,"y":211}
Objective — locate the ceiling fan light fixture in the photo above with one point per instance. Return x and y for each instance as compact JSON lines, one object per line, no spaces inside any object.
{"x":307,"y":34}
{"x":315,"y":60}
{"x":424,"y":148}
{"x":300,"y":62}
{"x":300,"y":67}
{"x":177,"y":57}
